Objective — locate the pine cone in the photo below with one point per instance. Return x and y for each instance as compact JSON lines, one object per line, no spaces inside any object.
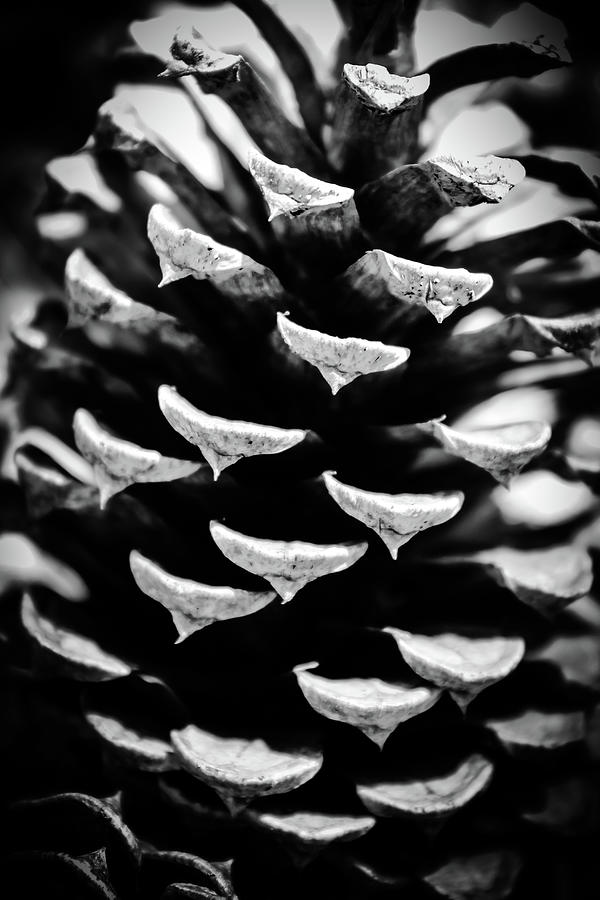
{"x":309,"y":527}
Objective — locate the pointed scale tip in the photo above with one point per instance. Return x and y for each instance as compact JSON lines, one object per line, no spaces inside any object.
{"x":286,"y":593}
{"x":340,"y":360}
{"x":223,"y":442}
{"x":104,"y":495}
{"x":289,"y":191}
{"x":287,"y":565}
{"x":182,"y":636}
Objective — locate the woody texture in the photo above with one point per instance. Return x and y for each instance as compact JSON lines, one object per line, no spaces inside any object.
{"x":306,"y":468}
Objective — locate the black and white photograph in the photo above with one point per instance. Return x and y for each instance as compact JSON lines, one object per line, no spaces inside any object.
{"x":300,"y":450}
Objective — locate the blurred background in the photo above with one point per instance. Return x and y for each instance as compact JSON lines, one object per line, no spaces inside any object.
{"x":59,"y":64}
{"x":62,"y":62}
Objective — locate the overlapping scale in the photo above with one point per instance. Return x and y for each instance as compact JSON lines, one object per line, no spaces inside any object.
{"x":318,"y":236}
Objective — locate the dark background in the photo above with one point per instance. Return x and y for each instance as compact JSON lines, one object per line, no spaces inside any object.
{"x":55,"y":59}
